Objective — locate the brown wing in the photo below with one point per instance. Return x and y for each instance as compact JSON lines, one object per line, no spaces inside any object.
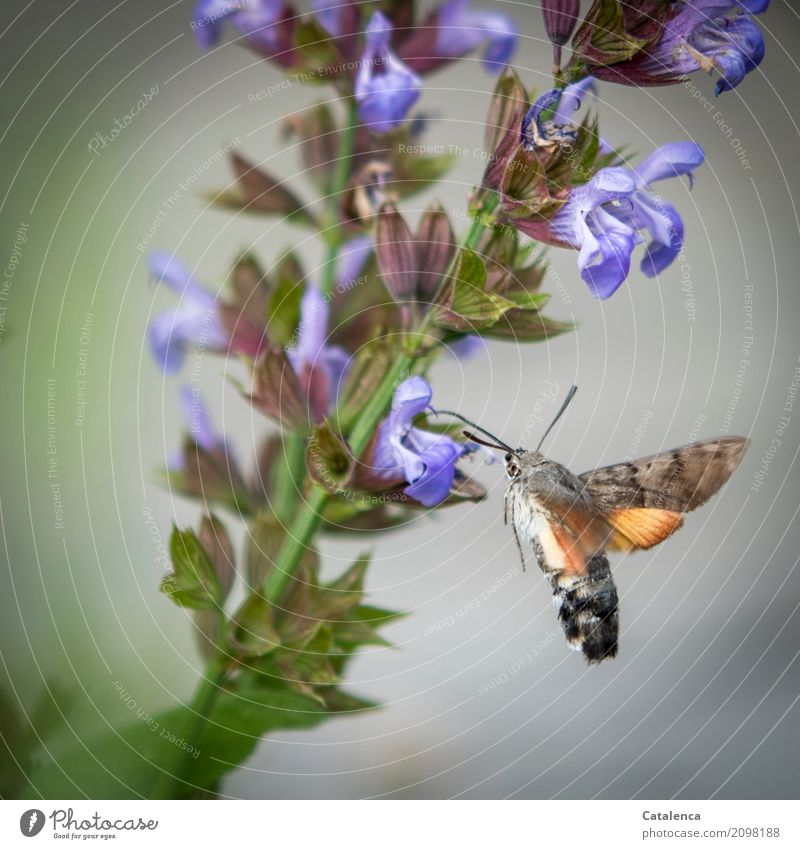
{"x":678,"y":480}
{"x":644,"y":500}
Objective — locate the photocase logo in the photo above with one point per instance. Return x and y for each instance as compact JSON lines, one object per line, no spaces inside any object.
{"x":31,"y":822}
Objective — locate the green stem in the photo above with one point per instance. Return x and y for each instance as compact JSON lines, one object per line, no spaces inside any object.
{"x":289,"y":475}
{"x":341,"y":174}
{"x":309,"y":515}
{"x":175,"y":772}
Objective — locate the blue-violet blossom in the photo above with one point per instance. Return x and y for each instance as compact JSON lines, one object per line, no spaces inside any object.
{"x":198,"y":425}
{"x":198,"y":422}
{"x":460,"y":31}
{"x":426,"y":460}
{"x":318,"y":366}
{"x":195,"y":320}
{"x":385,"y":87}
{"x":604,"y":217}
{"x":550,"y":121}
{"x":708,"y":34}
{"x":255,"y":19}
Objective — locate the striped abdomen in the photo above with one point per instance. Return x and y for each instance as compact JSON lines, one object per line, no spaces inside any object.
{"x":587,"y":609}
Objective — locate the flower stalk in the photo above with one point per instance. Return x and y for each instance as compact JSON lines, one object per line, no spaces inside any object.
{"x":307,"y":522}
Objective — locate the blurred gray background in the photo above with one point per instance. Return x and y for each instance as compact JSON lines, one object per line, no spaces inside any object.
{"x":483,"y":699}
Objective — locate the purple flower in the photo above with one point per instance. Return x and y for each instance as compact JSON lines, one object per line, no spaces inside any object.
{"x":385,"y":87}
{"x":605,"y":217}
{"x":329,"y":14}
{"x":550,"y":121}
{"x":255,"y":19}
{"x":467,"y":346}
{"x":198,"y":425}
{"x":319,"y":367}
{"x":708,"y":34}
{"x":198,"y":422}
{"x":426,"y":460}
{"x":195,"y":321}
{"x":352,"y":258}
{"x":461,"y":30}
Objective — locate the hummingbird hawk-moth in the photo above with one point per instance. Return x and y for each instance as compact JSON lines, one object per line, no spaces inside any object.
{"x":571,"y":521}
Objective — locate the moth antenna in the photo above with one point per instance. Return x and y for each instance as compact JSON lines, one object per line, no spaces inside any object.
{"x":473,"y":438}
{"x":570,"y":396}
{"x":499,"y":442}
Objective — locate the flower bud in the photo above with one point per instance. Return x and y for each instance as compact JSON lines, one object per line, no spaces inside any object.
{"x":560,"y":17}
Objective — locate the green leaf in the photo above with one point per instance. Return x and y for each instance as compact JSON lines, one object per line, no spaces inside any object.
{"x":525,"y":300}
{"x":341,"y":702}
{"x":353,"y":633}
{"x":263,"y":544}
{"x":126,"y":764}
{"x":602,"y":39}
{"x":364,"y":376}
{"x":465,"y":304}
{"x":12,"y":745}
{"x":337,"y":599}
{"x":259,"y":192}
{"x":508,"y":105}
{"x":276,"y":390}
{"x":379,"y":616}
{"x":283,"y":309}
{"x":253,"y":631}
{"x":216,"y":543}
{"x":526,"y":326}
{"x":193,"y":582}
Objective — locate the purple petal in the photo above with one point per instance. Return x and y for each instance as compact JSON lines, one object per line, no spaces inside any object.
{"x":467,"y":346}
{"x":312,"y":330}
{"x":392,"y":459}
{"x":452,"y":37}
{"x":434,"y":484}
{"x":460,"y":31}
{"x":411,"y":397}
{"x":385,"y":88}
{"x":170,"y":271}
{"x":605,"y":259}
{"x":167,"y":348}
{"x":501,"y":35}
{"x":193,"y":322}
{"x":670,"y":160}
{"x":666,"y":227}
{"x":207,"y":18}
{"x":256,"y":20}
{"x":385,"y":103}
{"x":329,"y":14}
{"x":755,"y":7}
{"x":571,"y":100}
{"x":739,"y":51}
{"x":352,"y":258}
{"x":335,"y":361}
{"x":609,"y":185}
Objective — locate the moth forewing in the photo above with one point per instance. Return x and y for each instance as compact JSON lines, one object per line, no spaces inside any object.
{"x":680,"y":480}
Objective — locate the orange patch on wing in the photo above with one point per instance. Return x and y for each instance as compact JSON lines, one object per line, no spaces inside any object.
{"x":643,"y":527}
{"x":573,"y":557}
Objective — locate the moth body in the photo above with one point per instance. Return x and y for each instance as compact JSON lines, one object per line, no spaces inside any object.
{"x":570,"y":521}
